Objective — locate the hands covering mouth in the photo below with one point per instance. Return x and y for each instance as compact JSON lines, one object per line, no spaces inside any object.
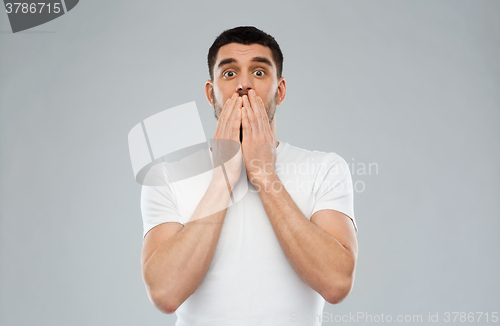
{"x":247,"y":115}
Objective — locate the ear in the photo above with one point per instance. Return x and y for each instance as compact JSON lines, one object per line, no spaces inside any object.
{"x":281,"y":90}
{"x":209,"y":87}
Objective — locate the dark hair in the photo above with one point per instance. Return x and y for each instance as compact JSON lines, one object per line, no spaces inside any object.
{"x":245,"y":35}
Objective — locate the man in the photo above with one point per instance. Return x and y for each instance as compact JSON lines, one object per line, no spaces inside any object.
{"x":274,"y":256}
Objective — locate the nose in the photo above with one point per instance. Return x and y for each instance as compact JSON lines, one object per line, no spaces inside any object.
{"x":244,"y":85}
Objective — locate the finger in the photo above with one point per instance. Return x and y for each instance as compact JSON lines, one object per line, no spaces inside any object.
{"x":265,"y":118}
{"x":219,"y":128}
{"x":234,"y":122}
{"x":252,"y":119}
{"x":253,"y":102}
{"x":237,"y":125}
{"x":247,"y":128}
{"x":256,"y":108}
{"x":223,"y":130}
{"x":226,"y":111}
{"x":229,"y":106}
{"x":222,"y":113}
{"x":263,"y":115}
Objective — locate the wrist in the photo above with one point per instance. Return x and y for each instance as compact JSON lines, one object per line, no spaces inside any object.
{"x":219,"y":182}
{"x":265,"y":180}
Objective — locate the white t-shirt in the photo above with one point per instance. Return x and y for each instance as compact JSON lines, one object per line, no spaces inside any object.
{"x":250,"y":281}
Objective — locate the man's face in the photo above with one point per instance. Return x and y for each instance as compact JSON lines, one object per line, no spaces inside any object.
{"x":239,"y":68}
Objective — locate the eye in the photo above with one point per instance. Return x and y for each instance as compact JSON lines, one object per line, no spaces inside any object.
{"x":228,"y":74}
{"x":259,"y":73}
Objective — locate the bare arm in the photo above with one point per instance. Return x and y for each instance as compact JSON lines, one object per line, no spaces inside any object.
{"x":175,"y":258}
{"x":173,"y":270}
{"x":322,"y":251}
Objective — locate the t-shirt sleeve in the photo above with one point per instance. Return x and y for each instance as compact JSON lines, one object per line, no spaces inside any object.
{"x":158,"y":205}
{"x":333,"y":187}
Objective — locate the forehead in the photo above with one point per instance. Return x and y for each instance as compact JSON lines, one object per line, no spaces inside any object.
{"x":243,"y":52}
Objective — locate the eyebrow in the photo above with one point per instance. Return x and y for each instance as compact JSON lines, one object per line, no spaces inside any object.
{"x":255,"y":59}
{"x":263,"y":60}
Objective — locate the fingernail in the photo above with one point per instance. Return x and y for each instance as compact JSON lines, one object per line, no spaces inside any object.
{"x":234,"y":95}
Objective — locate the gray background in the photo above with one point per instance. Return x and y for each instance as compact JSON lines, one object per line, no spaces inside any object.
{"x":412,"y":86}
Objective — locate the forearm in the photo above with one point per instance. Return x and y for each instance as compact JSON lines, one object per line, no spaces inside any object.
{"x":177,"y":267}
{"x":319,"y":259}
